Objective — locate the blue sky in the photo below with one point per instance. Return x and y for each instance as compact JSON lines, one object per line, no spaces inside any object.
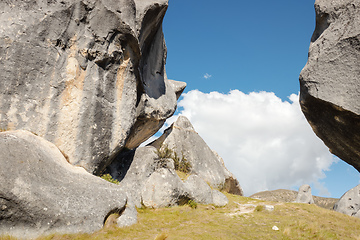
{"x":219,"y":46}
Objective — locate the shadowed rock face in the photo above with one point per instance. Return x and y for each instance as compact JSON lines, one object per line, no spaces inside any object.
{"x":87,"y":75}
{"x":330,"y":87}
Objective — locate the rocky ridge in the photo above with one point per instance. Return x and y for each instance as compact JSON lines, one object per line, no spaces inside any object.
{"x":282,"y":195}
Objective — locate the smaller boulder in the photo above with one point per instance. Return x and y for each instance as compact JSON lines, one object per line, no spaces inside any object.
{"x":269,"y":208}
{"x":164,"y":188}
{"x":349,"y":203}
{"x":219,"y":199}
{"x":199,"y":190}
{"x":304,"y":195}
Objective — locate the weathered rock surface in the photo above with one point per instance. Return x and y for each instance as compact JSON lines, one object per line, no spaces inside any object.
{"x":304,"y":195}
{"x":164,"y":188}
{"x":153,"y":182}
{"x":199,"y":189}
{"x":182,"y":139}
{"x":88,"y":75}
{"x":330,"y":89}
{"x":219,"y":199}
{"x":349,"y":203}
{"x":42,"y":193}
{"x":132,"y":169}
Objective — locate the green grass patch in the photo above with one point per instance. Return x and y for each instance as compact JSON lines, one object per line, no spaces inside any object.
{"x":181,"y":164}
{"x":109,"y":178}
{"x":294,"y":220}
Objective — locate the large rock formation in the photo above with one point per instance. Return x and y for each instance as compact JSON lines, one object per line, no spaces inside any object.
{"x":86,"y":75}
{"x":149,"y":174}
{"x":42,"y":193}
{"x":329,"y":82}
{"x":349,"y":203}
{"x":152,"y":181}
{"x":182,"y":138}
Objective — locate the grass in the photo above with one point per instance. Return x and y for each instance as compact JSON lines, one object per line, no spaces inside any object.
{"x":294,"y":220}
{"x":180,"y":164}
{"x":109,"y":178}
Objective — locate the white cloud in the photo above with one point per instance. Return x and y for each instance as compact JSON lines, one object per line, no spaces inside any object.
{"x":265,"y":142}
{"x":207,"y":76}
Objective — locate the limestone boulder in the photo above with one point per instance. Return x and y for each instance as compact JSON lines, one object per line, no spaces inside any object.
{"x":182,"y":139}
{"x":219,"y":199}
{"x":164,"y":188}
{"x":304,"y":195}
{"x":42,"y":193}
{"x":329,"y":83}
{"x":349,"y":203}
{"x":88,"y":75}
{"x":199,"y":190}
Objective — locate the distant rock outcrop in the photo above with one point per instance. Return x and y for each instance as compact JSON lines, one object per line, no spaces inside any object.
{"x":283,"y":195}
{"x":304,"y":195}
{"x":330,"y":89}
{"x":89,"y":76}
{"x":182,"y":138}
{"x":42,"y":193}
{"x":349,"y":203}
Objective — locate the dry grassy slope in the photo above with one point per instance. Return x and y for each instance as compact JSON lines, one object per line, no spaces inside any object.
{"x":242,"y":218}
{"x":283,"y":195}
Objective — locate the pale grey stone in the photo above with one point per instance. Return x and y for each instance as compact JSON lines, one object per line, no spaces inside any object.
{"x":88,"y":75}
{"x":164,"y":188}
{"x":349,"y":203}
{"x":329,"y":93}
{"x":182,"y":138}
{"x":199,"y":190}
{"x":219,"y":199}
{"x":42,"y":193}
{"x":132,"y":169}
{"x":128,"y":217}
{"x":269,"y":208}
{"x":304,"y":195}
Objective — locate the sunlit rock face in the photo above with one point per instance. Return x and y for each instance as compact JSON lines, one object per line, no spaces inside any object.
{"x":87,"y":75}
{"x":182,"y":138}
{"x":330,"y":84}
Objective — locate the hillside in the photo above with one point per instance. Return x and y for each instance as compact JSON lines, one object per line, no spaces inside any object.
{"x":283,"y":195}
{"x":242,"y":218}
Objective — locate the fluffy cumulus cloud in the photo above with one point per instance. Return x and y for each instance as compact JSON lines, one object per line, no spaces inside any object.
{"x":265,"y":142}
